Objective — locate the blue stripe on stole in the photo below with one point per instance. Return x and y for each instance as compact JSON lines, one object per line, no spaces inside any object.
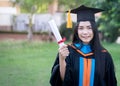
{"x":81,"y":69}
{"x":92,"y":72}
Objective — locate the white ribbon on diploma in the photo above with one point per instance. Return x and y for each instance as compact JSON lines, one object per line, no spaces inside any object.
{"x":56,"y":32}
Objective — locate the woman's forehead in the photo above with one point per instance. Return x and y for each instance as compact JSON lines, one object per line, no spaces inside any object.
{"x":82,"y":23}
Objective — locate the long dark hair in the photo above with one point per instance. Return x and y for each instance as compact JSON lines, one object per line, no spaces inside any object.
{"x":96,"y":47}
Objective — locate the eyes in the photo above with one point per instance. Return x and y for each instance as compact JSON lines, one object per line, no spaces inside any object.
{"x":84,"y":27}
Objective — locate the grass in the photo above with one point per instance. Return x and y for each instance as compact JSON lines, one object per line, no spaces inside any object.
{"x":29,"y":64}
{"x":26,"y":64}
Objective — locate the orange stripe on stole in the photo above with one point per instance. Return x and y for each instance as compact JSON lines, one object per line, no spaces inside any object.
{"x":87,"y":72}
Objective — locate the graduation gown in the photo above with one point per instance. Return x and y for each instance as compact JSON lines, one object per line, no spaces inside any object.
{"x":83,"y":69}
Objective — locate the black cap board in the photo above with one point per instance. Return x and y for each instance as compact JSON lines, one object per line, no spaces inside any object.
{"x":85,"y":13}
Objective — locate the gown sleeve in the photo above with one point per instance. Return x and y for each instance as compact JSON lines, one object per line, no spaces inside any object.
{"x":110,"y":77}
{"x":68,"y":79}
{"x":55,"y":79}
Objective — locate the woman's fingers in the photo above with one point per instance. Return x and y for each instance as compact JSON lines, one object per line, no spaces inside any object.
{"x":63,"y":51}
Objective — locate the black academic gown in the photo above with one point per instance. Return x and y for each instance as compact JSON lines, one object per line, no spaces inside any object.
{"x":104,"y":70}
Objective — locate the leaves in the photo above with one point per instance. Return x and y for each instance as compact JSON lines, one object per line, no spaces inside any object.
{"x":110,"y":19}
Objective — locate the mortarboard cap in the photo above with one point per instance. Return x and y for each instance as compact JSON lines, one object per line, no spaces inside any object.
{"x":85,"y":13}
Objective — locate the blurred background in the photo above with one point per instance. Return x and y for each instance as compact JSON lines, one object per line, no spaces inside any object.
{"x":28,"y":47}
{"x":28,"y":19}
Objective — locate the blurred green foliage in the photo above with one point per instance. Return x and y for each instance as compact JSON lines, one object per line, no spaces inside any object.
{"x":66,"y":32}
{"x":109,"y":23}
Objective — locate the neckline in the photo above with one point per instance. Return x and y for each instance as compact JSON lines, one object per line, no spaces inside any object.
{"x":84,"y":48}
{"x":79,"y":51}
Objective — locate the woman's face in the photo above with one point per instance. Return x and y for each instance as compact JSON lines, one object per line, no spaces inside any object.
{"x":85,"y":32}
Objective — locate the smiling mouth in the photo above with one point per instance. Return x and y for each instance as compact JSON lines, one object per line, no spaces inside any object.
{"x":85,"y":37}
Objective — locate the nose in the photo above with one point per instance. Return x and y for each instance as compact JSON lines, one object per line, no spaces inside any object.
{"x":85,"y":31}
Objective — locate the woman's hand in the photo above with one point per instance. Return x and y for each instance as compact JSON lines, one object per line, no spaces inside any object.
{"x":63,"y":52}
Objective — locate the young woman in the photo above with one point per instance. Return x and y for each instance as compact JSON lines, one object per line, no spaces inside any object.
{"x":85,"y":62}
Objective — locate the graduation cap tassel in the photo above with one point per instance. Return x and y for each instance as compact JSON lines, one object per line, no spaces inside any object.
{"x":69,"y":21}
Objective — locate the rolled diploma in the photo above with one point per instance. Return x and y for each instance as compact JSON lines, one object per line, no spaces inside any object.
{"x":56,"y":32}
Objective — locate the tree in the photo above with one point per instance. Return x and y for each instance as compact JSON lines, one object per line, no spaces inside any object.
{"x":31,"y":7}
{"x":110,"y":19}
{"x":42,"y":5}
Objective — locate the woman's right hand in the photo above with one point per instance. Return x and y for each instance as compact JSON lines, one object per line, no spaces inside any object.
{"x":63,"y":52}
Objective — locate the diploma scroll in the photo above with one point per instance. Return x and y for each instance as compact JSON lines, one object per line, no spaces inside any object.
{"x":56,"y":33}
